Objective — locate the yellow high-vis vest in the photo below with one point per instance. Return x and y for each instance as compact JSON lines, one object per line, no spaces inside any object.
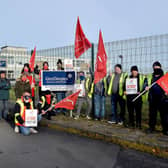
{"x":22,"y":111}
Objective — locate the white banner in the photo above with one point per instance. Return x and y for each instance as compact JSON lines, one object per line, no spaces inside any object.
{"x":131,"y":86}
{"x":68,"y":64}
{"x":81,"y":87}
{"x":31,"y":118}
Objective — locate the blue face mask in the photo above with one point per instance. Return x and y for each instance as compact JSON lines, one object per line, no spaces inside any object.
{"x":82,"y":78}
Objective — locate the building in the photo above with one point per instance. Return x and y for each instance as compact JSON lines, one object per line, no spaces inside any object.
{"x":141,"y":51}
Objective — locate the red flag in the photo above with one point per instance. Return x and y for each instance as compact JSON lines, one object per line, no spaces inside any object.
{"x":32,"y":60}
{"x":81,"y":42}
{"x":69,"y":102}
{"x":163,"y":82}
{"x":101,"y":60}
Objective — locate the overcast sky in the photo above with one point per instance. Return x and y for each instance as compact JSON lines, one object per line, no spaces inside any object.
{"x":52,"y":23}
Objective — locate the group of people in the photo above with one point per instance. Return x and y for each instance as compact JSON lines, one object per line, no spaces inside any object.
{"x":113,"y":85}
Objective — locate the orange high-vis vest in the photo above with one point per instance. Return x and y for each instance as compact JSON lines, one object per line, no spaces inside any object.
{"x":22,"y":110}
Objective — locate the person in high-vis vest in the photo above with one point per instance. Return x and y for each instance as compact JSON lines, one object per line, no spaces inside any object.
{"x":23,"y":104}
{"x":155,"y":97}
{"x":137,"y":105}
{"x":100,"y":92}
{"x":116,"y":91}
{"x":44,"y":105}
{"x":39,"y":72}
{"x":89,"y":88}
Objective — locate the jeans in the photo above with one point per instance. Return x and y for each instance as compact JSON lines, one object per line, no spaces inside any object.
{"x":60,"y":96}
{"x":99,"y":103}
{"x":26,"y":130}
{"x":89,"y":106}
{"x":115,"y":98}
{"x":80,"y":102}
{"x":3,"y":109}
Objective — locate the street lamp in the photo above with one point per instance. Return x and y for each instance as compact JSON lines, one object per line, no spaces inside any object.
{"x":121,"y":57}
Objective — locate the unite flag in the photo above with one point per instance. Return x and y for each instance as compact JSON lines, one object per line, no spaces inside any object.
{"x":68,"y":102}
{"x":101,"y":60}
{"x":163,"y":82}
{"x":32,"y":60}
{"x":81,"y":42}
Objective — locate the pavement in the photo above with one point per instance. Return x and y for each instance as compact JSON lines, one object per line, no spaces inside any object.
{"x":57,"y":149}
{"x":156,"y":143}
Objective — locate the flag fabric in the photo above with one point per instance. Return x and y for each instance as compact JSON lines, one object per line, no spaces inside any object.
{"x":101,"y":60}
{"x":69,"y":102}
{"x":163,"y":82}
{"x":32,"y":60}
{"x":81,"y":42}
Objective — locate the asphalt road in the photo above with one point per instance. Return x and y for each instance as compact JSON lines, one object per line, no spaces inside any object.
{"x":52,"y":149}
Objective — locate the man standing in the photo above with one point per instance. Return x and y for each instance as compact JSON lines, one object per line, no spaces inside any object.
{"x":100,"y":91}
{"x":116,"y":91}
{"x":137,"y":105}
{"x":4,"y":95}
{"x":156,"y":95}
{"x":60,"y":94}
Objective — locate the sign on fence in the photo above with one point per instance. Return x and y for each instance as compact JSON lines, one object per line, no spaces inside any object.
{"x":58,"y":80}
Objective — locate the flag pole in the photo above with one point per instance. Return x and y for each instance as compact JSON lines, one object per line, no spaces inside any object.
{"x":143,"y":92}
{"x":92,"y":61}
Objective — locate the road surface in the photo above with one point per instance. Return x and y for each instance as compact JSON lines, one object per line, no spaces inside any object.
{"x":52,"y":149}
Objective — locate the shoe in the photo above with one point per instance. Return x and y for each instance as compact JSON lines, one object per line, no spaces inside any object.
{"x":89,"y":118}
{"x":16,"y":129}
{"x":120,"y":123}
{"x":111,"y":122}
{"x":33,"y":131}
{"x":76,"y":117}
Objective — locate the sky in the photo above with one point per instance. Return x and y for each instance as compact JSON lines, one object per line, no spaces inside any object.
{"x":52,"y":23}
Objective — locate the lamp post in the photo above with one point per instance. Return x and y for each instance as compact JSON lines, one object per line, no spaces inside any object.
{"x":121,"y":57}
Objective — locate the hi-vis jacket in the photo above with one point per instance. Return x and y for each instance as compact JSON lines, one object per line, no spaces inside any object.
{"x":121,"y":84}
{"x":141,"y":84}
{"x":45,"y":102}
{"x":22,"y":111}
{"x":89,"y":87}
{"x":92,"y":87}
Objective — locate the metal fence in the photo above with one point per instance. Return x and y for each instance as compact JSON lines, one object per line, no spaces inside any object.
{"x":139,"y":51}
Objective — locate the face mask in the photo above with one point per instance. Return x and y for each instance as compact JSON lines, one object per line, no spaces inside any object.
{"x":26,"y":70}
{"x":45,"y":67}
{"x":82,"y":77}
{"x":158,"y":71}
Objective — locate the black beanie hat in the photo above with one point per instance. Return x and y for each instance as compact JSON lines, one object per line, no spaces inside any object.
{"x":157,"y":63}
{"x":26,"y":64}
{"x":59,"y":61}
{"x":2,"y":72}
{"x":118,"y":65}
{"x":134,"y":68}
